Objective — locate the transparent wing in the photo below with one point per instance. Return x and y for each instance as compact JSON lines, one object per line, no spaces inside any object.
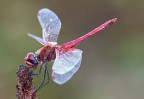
{"x":40,"y":40}
{"x":66,"y":65}
{"x":50,"y":24}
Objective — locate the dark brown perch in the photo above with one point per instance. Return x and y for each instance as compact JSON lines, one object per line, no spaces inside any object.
{"x":25,"y":89}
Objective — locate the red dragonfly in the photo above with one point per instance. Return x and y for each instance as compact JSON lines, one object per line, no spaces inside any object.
{"x":67,"y":59}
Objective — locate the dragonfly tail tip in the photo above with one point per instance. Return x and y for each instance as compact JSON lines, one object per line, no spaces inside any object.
{"x":114,"y":20}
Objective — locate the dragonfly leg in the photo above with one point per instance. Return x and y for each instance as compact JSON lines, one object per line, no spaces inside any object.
{"x":47,"y":76}
{"x":39,"y":72}
{"x":44,"y":77}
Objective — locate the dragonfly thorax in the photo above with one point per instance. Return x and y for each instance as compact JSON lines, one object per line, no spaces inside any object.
{"x":46,"y":54}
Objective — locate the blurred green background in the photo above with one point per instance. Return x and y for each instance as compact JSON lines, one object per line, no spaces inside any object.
{"x":113,"y":60}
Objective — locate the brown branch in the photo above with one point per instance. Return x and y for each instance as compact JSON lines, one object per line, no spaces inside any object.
{"x":25,"y":89}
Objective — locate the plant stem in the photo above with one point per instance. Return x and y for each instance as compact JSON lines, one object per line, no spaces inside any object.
{"x":25,"y":89}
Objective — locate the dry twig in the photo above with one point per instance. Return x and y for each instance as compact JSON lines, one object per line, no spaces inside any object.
{"x":25,"y":89}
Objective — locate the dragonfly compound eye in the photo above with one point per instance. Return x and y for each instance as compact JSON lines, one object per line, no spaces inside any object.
{"x":31,"y":60}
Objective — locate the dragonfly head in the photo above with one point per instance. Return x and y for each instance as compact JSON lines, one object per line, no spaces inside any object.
{"x":31,"y":60}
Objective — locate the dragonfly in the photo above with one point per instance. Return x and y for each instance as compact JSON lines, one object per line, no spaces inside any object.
{"x":67,"y":59}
